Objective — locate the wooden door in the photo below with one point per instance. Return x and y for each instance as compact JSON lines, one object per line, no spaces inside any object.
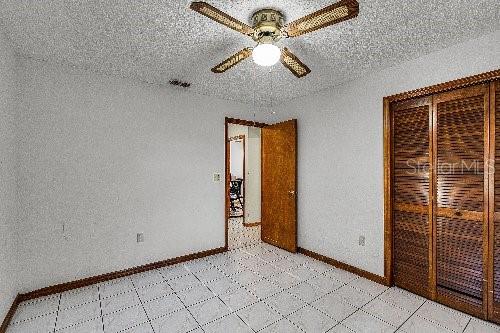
{"x":494,"y":233}
{"x":279,"y":185}
{"x":461,"y":202}
{"x":412,"y":211}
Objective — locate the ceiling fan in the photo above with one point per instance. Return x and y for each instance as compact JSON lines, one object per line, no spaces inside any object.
{"x":268,"y":27}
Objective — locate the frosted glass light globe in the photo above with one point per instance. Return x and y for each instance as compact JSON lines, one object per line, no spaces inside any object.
{"x":266,"y":54}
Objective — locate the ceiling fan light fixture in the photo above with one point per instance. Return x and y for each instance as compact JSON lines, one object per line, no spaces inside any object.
{"x":268,"y":26}
{"x":266,"y":54}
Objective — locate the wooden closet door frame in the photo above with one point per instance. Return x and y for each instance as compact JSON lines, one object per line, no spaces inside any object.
{"x":442,"y":98}
{"x":491,"y":206}
{"x":433,"y":203}
{"x":387,"y":151}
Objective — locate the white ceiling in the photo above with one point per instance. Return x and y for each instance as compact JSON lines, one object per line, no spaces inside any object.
{"x":160,"y":40}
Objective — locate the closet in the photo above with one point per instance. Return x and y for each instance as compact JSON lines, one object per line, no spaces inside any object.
{"x":445,"y":196}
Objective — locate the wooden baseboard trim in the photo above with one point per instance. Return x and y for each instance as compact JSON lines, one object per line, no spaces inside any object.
{"x":345,"y":267}
{"x":250,"y":225}
{"x":114,"y":275}
{"x":10,"y":314}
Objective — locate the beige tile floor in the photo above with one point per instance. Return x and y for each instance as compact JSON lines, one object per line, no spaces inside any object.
{"x":241,"y":236}
{"x":252,"y":289}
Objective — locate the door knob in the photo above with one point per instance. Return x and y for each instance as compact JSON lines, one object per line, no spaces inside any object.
{"x":291,"y":193}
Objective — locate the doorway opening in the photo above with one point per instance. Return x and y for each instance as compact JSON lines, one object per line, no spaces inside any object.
{"x":261,"y":184}
{"x":244,"y":219}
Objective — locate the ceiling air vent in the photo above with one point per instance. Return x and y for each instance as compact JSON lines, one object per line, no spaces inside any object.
{"x":180,"y":83}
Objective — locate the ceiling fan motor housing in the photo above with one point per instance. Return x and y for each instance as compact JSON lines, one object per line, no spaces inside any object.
{"x":268,"y":24}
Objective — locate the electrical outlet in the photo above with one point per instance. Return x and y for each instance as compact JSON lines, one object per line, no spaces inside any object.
{"x":217,"y":177}
{"x":362,"y":240}
{"x":140,"y":237}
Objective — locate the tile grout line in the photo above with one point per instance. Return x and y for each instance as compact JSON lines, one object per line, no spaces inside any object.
{"x":237,"y":315}
{"x":185,"y":307}
{"x":57,"y":312}
{"x":375,"y":316}
{"x":74,"y":324}
{"x":317,"y":287}
{"x":465,"y":328}
{"x":444,"y":307}
{"x":328,"y":293}
{"x":263,"y":300}
{"x":249,"y":291}
{"x":293,"y":286}
{"x":217,"y":296}
{"x":391,"y":304}
{"x":142,"y":305}
{"x":411,"y":316}
{"x":100,"y":306}
{"x":165,"y":280}
{"x":357,"y":308}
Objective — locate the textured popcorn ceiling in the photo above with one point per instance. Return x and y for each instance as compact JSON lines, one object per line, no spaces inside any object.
{"x":156,"y":41}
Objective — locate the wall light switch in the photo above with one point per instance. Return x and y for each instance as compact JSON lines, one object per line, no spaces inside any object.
{"x":140,"y":237}
{"x":217,"y":177}
{"x":362,"y":240}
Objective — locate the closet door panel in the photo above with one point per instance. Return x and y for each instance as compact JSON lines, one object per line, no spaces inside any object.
{"x":461,"y":204}
{"x":459,"y":256}
{"x":411,"y":194}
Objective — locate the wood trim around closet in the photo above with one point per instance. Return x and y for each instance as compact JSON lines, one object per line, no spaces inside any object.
{"x":491,"y":200}
{"x":433,"y":203}
{"x":486,"y":197}
{"x":388,"y":255}
{"x":446,"y":86}
{"x":486,"y":77}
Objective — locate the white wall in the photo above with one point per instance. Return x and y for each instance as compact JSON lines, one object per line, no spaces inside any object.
{"x":253,"y":169}
{"x":340,"y":152}
{"x":234,"y":130}
{"x":103,"y":158}
{"x":8,"y":206}
{"x":236,"y":158}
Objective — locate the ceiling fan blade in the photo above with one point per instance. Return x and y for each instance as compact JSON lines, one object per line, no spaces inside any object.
{"x":221,"y":17}
{"x":338,"y":12}
{"x":232,"y":60}
{"x":290,"y":61}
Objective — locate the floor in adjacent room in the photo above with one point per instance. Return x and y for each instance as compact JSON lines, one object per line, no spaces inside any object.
{"x":241,"y":236}
{"x":259,"y":288}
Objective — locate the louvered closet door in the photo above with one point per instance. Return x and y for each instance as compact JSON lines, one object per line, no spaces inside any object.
{"x":495,"y":202}
{"x":461,"y":198}
{"x":411,"y":231}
